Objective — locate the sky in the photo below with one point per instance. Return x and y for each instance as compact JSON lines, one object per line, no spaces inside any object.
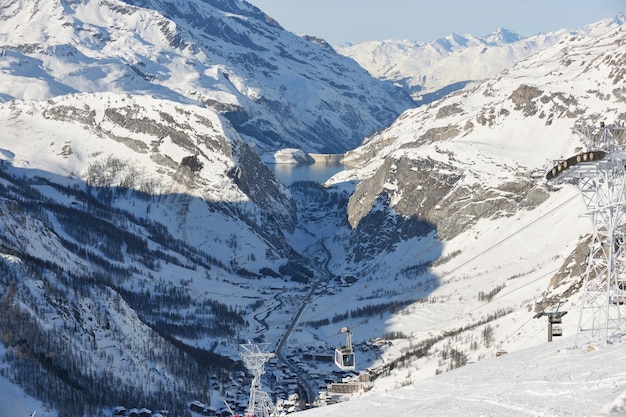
{"x":355,"y":21}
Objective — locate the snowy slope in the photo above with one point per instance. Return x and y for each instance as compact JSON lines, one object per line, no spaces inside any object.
{"x":429,"y":70}
{"x":131,"y":226}
{"x":16,"y":403}
{"x":274,"y":86}
{"x":549,"y":380}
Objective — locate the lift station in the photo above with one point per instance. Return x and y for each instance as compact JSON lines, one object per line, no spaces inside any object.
{"x":599,"y":173}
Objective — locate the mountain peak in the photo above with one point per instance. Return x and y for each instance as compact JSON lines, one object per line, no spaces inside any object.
{"x":503,"y":36}
{"x":618,"y":20}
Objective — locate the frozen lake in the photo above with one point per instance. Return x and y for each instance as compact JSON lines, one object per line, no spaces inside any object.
{"x":317,"y":172}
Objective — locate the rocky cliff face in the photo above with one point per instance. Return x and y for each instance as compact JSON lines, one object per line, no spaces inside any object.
{"x":435,"y":192}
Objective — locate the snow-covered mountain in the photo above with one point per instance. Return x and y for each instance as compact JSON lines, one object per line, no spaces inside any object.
{"x":430,"y":70}
{"x":275,"y":87}
{"x":497,"y":239}
{"x":142,"y":239}
{"x":130,"y":234}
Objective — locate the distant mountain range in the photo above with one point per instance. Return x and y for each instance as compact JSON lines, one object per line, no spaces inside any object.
{"x":430,"y":70}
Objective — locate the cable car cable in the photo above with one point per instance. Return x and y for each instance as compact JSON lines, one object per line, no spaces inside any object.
{"x":478,"y":255}
{"x":441,"y":326}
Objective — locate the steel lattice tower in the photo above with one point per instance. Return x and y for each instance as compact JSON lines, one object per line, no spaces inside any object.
{"x":600,"y":176}
{"x":260,"y":404}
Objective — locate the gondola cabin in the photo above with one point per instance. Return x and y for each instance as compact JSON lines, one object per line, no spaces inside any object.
{"x":344,"y":355}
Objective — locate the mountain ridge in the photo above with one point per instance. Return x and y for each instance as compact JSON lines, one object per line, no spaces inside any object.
{"x":430,"y":70}
{"x":235,"y":60}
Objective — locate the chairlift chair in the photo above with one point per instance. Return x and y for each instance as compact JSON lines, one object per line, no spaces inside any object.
{"x":344,"y":355}
{"x":555,"y":324}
